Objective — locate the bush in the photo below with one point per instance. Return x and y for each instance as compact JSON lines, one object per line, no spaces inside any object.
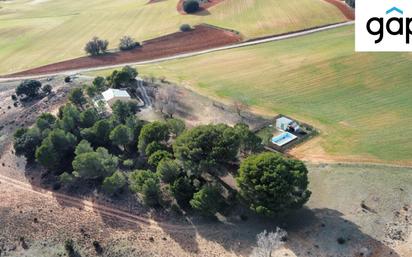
{"x":208,"y":201}
{"x":158,"y":156}
{"x":96,"y":46}
{"x":183,"y":190}
{"x":46,"y":89}
{"x":128,"y":43}
{"x":185,"y":27}
{"x":28,"y":88}
{"x":191,"y":6}
{"x":67,"y":79}
{"x":168,"y":170}
{"x":113,"y":184}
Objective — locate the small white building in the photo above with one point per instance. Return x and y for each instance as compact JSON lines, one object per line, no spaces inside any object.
{"x":286,"y":124}
{"x":112,"y":95}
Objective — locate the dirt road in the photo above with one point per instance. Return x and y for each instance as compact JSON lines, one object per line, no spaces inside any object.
{"x":92,"y":206}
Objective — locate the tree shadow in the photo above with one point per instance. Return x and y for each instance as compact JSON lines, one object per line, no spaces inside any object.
{"x":317,"y":232}
{"x":182,"y":231}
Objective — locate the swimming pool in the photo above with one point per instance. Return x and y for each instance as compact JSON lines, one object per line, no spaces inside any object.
{"x":283,"y":138}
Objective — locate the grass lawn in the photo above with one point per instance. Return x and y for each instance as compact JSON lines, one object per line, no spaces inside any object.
{"x":38,"y":32}
{"x":361,"y":102}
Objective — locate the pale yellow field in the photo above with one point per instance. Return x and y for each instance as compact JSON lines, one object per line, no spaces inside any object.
{"x":38,"y":32}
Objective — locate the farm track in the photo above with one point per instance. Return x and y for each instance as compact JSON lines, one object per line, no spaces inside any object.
{"x":69,"y":70}
{"x":99,"y":208}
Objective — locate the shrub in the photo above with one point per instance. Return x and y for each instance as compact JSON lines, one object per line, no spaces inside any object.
{"x":96,"y":46}
{"x":158,"y":156}
{"x":128,"y":43}
{"x":46,"y":89}
{"x":113,"y":184}
{"x":183,"y":190}
{"x":67,"y":79}
{"x":191,"y":6}
{"x":208,"y":201}
{"x":28,"y":88}
{"x":185,"y":27}
{"x":168,"y":170}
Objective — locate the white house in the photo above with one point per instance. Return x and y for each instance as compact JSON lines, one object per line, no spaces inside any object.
{"x":112,"y":95}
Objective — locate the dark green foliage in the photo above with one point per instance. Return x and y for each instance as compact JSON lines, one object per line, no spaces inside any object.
{"x":76,"y":97}
{"x":88,"y":118}
{"x":205,"y":147}
{"x":96,"y":46}
{"x":249,"y":141}
{"x":207,"y":201}
{"x":183,"y":190}
{"x":100,"y":84}
{"x":66,"y":178}
{"x":146,"y":183}
{"x":191,"y":6}
{"x":46,"y":89}
{"x":113,"y":184}
{"x":26,"y":141}
{"x":56,"y":148}
{"x":272,"y":184}
{"x":83,"y":147}
{"x":122,"y":78}
{"x":121,"y":135}
{"x":168,"y":170}
{"x":28,"y":88}
{"x":152,"y":132}
{"x":158,"y":156}
{"x":69,"y":118}
{"x":45,"y":121}
{"x":176,"y":126}
{"x":154,"y":147}
{"x":98,"y":135}
{"x":94,"y":165}
{"x":123,"y":110}
{"x":185,"y":27}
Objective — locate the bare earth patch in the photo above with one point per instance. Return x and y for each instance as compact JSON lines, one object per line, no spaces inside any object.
{"x":200,"y":38}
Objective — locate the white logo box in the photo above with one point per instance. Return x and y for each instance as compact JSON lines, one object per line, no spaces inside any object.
{"x":386,"y":9}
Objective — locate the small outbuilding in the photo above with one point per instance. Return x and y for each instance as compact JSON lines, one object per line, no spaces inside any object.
{"x":287,"y":124}
{"x":112,"y":95}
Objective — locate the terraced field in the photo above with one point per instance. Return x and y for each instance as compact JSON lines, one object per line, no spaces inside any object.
{"x":39,"y":32}
{"x":360,"y":102}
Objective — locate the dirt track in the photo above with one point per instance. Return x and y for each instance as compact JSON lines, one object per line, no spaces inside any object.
{"x":200,"y":38}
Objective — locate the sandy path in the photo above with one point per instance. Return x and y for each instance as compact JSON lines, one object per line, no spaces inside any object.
{"x":91,"y":206}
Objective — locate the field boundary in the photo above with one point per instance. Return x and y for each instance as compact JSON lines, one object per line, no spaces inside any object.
{"x":289,"y":35}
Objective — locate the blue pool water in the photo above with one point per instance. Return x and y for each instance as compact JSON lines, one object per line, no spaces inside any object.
{"x":283,"y":138}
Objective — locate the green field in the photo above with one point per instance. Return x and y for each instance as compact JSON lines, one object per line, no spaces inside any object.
{"x":361,"y":102}
{"x":38,"y":32}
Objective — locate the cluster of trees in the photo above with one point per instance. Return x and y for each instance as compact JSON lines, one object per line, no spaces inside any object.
{"x":29,"y":89}
{"x":191,"y":6}
{"x":162,"y":161}
{"x":97,"y":46}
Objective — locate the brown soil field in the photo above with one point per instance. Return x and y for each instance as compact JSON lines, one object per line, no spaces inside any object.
{"x":344,"y":8}
{"x":203,"y":7}
{"x":200,"y":38}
